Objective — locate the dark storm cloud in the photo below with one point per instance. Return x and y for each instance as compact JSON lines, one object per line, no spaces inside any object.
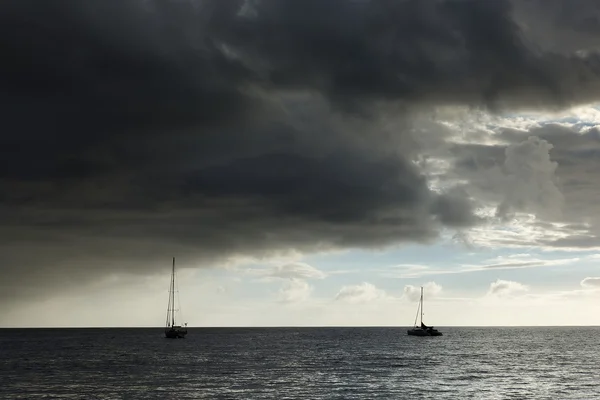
{"x":438,"y":51}
{"x":134,"y":130}
{"x":560,"y":26}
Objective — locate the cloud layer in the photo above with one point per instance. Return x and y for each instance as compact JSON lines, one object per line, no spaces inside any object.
{"x":211,"y":129}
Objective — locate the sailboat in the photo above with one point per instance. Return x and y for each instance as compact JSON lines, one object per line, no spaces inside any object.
{"x":172,"y":330}
{"x":422,"y":330}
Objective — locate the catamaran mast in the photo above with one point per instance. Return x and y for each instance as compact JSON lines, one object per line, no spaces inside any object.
{"x":421,"y":305}
{"x":173,"y":294}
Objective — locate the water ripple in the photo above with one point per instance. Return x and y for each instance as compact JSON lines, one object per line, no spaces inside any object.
{"x":301,"y":363}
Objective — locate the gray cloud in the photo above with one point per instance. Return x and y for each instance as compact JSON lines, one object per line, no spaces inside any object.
{"x":530,"y":184}
{"x":209,"y":129}
{"x":520,"y":176}
{"x":503,"y":288}
{"x":559,"y":26}
{"x":554,"y":176}
{"x":511,"y":265}
{"x":590,"y":282}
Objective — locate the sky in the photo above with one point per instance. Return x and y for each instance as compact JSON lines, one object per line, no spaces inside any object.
{"x":308,"y":162}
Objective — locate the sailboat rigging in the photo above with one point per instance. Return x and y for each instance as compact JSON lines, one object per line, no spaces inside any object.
{"x":422,"y":330}
{"x":172,"y":330}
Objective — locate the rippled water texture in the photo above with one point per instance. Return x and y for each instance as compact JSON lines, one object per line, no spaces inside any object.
{"x":301,"y":363}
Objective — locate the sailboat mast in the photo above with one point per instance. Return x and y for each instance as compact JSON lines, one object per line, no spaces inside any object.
{"x":173,"y":294}
{"x":421,"y":305}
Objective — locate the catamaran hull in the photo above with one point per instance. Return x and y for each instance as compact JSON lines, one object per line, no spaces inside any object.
{"x":422,"y":332}
{"x":175,"y":334}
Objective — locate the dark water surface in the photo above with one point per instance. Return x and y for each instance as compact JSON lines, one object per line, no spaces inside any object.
{"x":301,"y":363}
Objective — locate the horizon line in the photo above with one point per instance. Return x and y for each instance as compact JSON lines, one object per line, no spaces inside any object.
{"x":299,"y":326}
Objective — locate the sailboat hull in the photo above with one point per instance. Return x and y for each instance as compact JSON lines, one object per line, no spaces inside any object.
{"x":424,"y":332}
{"x":175,"y":333}
{"x":417,"y":332}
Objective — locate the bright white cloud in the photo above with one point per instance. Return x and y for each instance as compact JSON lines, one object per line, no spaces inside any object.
{"x":430,"y":289}
{"x":363,"y":293}
{"x":294,"y":291}
{"x":526,"y":231}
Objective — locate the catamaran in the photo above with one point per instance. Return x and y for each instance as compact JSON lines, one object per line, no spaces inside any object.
{"x":422,"y":330}
{"x":172,"y":330}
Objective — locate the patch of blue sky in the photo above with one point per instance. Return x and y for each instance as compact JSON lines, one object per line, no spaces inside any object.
{"x":391,"y":269}
{"x":545,"y":119}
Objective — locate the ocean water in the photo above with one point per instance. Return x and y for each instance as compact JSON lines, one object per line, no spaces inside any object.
{"x":301,"y":363}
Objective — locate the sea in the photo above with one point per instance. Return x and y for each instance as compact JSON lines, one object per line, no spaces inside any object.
{"x":301,"y":363}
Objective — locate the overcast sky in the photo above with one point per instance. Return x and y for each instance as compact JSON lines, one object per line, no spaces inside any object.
{"x":308,"y":162}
